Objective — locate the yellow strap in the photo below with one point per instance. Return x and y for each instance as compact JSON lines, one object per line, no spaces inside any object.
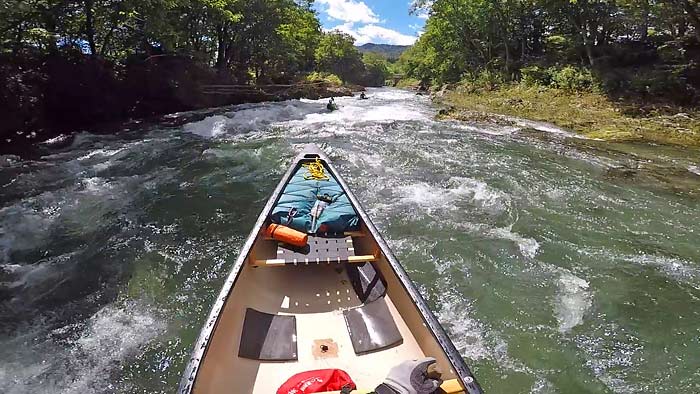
{"x":315,"y":171}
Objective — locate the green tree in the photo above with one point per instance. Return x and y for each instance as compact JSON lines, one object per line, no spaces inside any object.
{"x":336,"y":53}
{"x":376,"y":69}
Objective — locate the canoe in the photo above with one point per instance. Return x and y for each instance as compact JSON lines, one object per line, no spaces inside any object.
{"x":343,"y":302}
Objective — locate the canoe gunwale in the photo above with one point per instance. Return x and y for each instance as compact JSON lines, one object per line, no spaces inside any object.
{"x":188,"y":379}
{"x":311,"y":151}
{"x":461,"y":369}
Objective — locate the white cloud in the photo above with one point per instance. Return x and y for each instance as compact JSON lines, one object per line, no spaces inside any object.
{"x":423,"y":14}
{"x":418,"y":29}
{"x":375,"y":34}
{"x":349,"y":11}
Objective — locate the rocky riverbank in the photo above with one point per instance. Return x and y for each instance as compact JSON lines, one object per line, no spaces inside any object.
{"x":590,"y":114}
{"x":50,"y":98}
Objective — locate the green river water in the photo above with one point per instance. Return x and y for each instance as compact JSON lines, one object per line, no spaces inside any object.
{"x":556,"y":264}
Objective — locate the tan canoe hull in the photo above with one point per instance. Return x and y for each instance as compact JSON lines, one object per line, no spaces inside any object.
{"x":316,"y":296}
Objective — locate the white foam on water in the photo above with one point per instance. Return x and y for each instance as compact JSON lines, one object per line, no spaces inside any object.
{"x":109,"y":338}
{"x":213,"y":126}
{"x":546,"y":127}
{"x":543,"y":386}
{"x":679,"y":270}
{"x":467,"y":333}
{"x":349,"y":114}
{"x":694,"y":169}
{"x":457,"y":189}
{"x":23,"y":227}
{"x":251,"y":117}
{"x":102,"y":153}
{"x":486,"y":128}
{"x":528,"y":247}
{"x":113,"y":335}
{"x":57,"y":139}
{"x":300,"y":115}
{"x":96,"y":185}
{"x":611,"y":353}
{"x":558,"y":195}
{"x":573,"y":301}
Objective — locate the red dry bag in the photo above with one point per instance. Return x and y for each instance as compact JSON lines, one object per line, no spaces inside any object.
{"x":317,"y":381}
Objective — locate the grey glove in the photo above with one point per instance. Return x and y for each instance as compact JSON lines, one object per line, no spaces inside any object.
{"x":410,"y":377}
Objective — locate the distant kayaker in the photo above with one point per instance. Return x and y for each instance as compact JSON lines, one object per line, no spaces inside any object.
{"x":331,"y":106}
{"x":363,"y":96}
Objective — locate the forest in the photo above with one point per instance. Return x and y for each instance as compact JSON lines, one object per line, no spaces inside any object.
{"x":616,"y":70}
{"x":69,"y":64}
{"x":639,"y":48}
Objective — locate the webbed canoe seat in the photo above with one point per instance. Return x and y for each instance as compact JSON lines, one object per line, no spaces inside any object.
{"x":268,"y":337}
{"x":325,"y":249}
{"x":372,"y":327}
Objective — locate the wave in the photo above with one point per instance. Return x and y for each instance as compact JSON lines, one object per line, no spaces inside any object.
{"x":573,"y":301}
{"x":674,"y":268}
{"x":456,"y":190}
{"x":529,"y":247}
{"x":98,"y":347}
{"x":611,"y":354}
{"x":302,"y":115}
{"x":467,"y":333}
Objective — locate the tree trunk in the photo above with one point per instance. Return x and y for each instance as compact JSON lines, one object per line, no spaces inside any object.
{"x":90,"y":26}
{"x":104,"y":49}
{"x":682,"y":28}
{"x":644,"y":28}
{"x":693,"y":16}
{"x":581,"y":22}
{"x":18,"y":40}
{"x":221,"y":57}
{"x":505,"y":44}
{"x":588,"y":46}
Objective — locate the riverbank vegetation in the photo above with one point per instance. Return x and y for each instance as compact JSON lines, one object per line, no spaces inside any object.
{"x":588,"y":113}
{"x":72,"y":64}
{"x":616,"y":70}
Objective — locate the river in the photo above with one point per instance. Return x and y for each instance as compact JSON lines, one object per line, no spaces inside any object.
{"x":556,"y":264}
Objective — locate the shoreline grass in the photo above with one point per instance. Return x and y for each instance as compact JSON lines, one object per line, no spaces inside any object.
{"x":591,"y":114}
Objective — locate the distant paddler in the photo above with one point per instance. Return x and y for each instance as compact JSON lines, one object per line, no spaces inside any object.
{"x":331,"y":106}
{"x":363,"y":96}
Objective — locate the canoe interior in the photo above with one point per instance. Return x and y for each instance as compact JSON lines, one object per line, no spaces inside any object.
{"x":317,"y":295}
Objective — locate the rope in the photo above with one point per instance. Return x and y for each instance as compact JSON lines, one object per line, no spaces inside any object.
{"x":315,"y":171}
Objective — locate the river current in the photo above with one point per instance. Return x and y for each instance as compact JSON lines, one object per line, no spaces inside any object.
{"x":556,"y":264}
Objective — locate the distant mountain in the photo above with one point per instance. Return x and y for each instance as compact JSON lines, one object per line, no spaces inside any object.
{"x":387,"y":50}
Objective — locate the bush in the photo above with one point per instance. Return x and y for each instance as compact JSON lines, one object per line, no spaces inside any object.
{"x":573,"y":79}
{"x":672,"y":53}
{"x":662,"y":83}
{"x":569,"y":78}
{"x":557,"y":48}
{"x":408,"y":83}
{"x":483,"y":80}
{"x":324,"y":77}
{"x":536,"y":76}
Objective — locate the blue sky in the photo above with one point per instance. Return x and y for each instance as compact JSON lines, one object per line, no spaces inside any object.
{"x":378,"y":21}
